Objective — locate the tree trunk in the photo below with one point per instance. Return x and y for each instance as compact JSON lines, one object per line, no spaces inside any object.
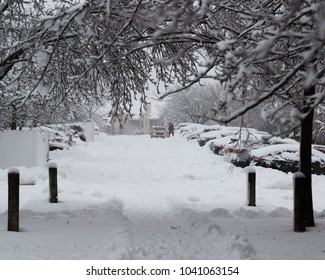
{"x":305,"y":156}
{"x":13,"y":125}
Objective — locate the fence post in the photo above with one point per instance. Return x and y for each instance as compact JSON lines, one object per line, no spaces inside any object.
{"x":53,"y":173}
{"x":299,"y":188}
{"x":13,"y":199}
{"x":251,"y":185}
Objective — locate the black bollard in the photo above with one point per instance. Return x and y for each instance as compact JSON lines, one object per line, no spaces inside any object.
{"x":53,"y":173}
{"x":299,"y":189}
{"x":251,"y":186}
{"x":13,"y":199}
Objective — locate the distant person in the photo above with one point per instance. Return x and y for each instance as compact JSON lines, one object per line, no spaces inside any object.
{"x":171,"y":129}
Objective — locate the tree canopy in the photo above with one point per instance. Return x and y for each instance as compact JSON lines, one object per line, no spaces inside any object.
{"x":76,"y":51}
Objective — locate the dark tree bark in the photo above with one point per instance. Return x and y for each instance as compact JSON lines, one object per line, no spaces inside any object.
{"x":13,"y":125}
{"x":7,"y":64}
{"x":305,"y":156}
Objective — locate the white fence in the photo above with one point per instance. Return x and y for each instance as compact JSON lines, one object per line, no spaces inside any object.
{"x":89,"y":130}
{"x":23,"y":148}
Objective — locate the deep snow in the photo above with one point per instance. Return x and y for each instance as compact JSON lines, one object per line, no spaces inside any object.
{"x":133,"y":197}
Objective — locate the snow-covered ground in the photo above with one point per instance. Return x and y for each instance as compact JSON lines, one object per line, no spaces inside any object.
{"x":133,"y":197}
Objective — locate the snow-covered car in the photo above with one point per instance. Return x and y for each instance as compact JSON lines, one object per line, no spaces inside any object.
{"x":74,"y":131}
{"x":159,"y":132}
{"x":236,"y":148}
{"x":57,"y":139}
{"x":320,"y":148}
{"x":217,"y":133}
{"x":285,"y":157}
{"x":78,"y":131}
{"x":232,"y":138}
{"x":193,"y":130}
{"x":210,"y":133}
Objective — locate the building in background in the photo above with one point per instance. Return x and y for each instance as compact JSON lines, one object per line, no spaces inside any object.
{"x":126,"y":125}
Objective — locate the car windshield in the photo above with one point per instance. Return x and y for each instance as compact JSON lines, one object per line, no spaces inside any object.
{"x":161,"y":128}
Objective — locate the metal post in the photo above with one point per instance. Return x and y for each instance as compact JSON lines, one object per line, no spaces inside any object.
{"x":299,"y":189}
{"x":53,"y":172}
{"x":13,"y":199}
{"x":251,"y":182}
